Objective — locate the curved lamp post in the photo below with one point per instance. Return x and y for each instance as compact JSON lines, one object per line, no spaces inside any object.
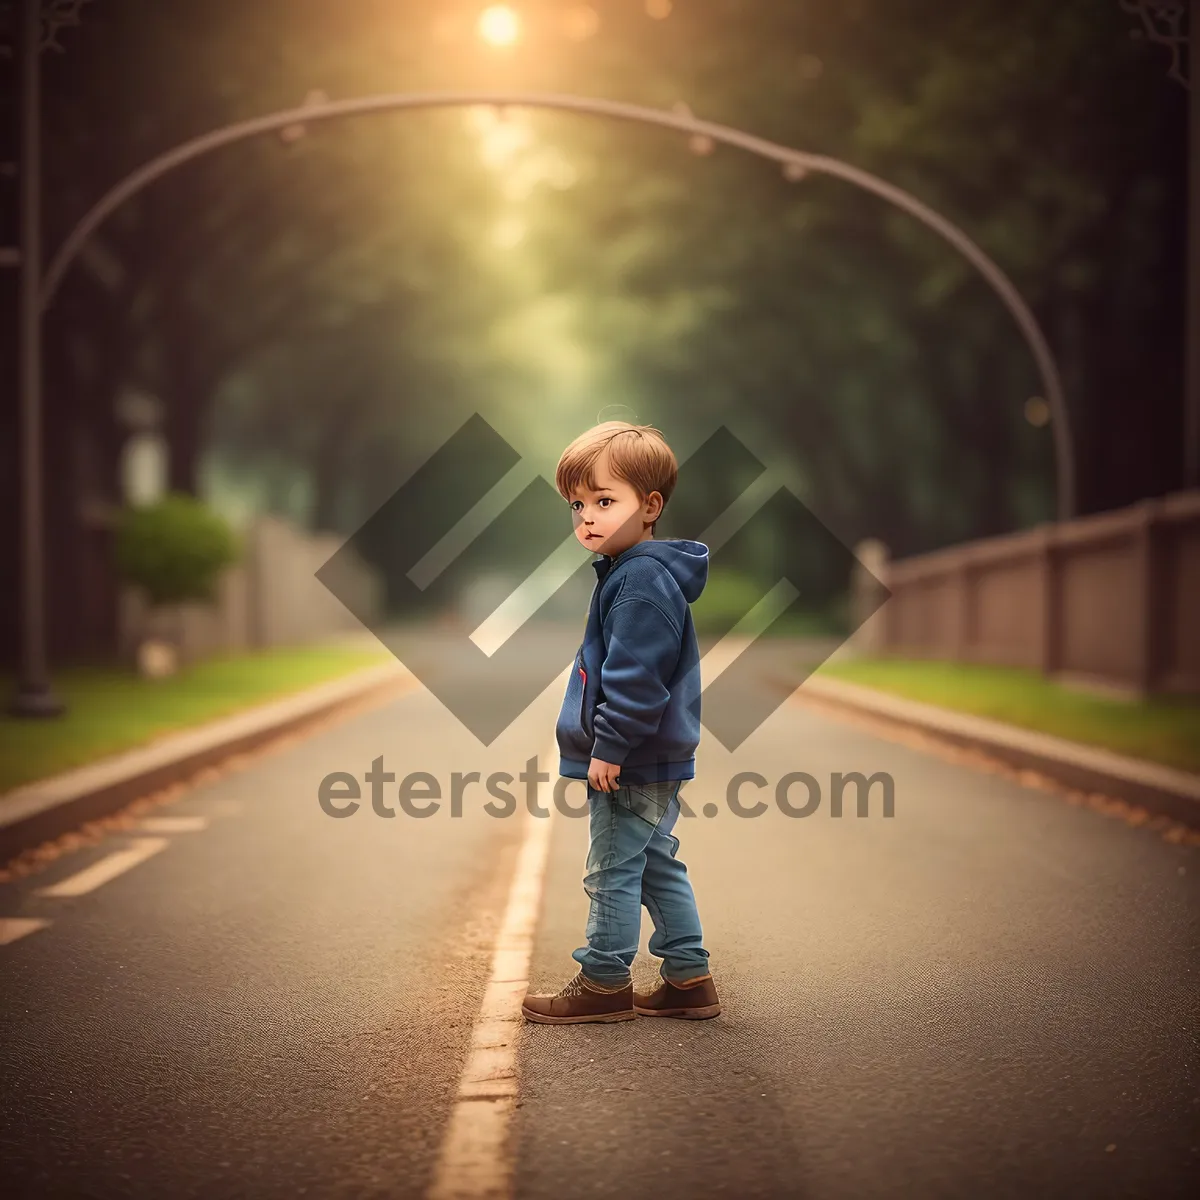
{"x":797,"y":162}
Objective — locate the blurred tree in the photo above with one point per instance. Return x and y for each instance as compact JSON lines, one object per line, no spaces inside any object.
{"x":262,"y":246}
{"x":889,"y":370}
{"x":247,"y":257}
{"x":317,"y":303}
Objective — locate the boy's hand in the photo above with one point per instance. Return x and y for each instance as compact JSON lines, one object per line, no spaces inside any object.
{"x":603,"y":775}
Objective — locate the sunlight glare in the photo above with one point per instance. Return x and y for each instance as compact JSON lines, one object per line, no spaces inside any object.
{"x":499,"y":25}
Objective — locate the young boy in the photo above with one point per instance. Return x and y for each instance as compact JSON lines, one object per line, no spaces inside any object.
{"x":629,"y":725}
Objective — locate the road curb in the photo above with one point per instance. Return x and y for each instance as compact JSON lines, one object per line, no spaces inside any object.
{"x":1159,"y":789}
{"x":46,"y":809}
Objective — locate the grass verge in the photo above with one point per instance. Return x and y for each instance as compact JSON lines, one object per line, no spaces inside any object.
{"x":109,"y":711}
{"x":1162,"y":730}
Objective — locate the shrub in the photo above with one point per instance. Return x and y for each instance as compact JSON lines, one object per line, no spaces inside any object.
{"x":174,"y":549}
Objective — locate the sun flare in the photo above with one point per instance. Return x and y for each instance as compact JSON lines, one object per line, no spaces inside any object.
{"x":499,"y":25}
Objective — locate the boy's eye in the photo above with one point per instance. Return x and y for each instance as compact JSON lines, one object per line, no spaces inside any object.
{"x":604,"y":500}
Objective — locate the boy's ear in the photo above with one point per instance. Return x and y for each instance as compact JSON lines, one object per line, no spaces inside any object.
{"x":654,"y":506}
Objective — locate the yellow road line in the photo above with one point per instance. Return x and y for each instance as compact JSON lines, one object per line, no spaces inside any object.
{"x":476,"y":1161}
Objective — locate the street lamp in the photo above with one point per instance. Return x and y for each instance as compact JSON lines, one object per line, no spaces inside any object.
{"x":802,"y":162}
{"x":499,"y":26}
{"x":32,"y":31}
{"x":34,"y":694}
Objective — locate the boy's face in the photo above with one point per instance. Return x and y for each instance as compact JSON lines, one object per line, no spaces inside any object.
{"x":612,"y":518}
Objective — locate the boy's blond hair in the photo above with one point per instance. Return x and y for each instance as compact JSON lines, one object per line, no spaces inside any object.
{"x":638,"y":454}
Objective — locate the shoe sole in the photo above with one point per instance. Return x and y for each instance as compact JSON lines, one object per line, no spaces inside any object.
{"x":542,"y":1019}
{"x":688,"y":1014}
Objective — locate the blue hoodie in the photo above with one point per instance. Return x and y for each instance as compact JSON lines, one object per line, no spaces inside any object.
{"x":634,"y":693}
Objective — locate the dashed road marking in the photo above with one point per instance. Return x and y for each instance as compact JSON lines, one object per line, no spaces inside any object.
{"x":174,"y":824}
{"x":476,"y":1161}
{"x":12,"y":928}
{"x":107,"y":868}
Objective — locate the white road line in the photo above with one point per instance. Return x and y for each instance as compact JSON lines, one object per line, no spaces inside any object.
{"x":12,"y":928}
{"x":174,"y":824}
{"x":107,"y":868}
{"x":476,"y":1160}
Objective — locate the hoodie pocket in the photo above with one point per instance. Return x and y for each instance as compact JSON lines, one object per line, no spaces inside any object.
{"x":573,"y":737}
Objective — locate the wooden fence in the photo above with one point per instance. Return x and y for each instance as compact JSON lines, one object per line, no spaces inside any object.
{"x":1110,"y":601}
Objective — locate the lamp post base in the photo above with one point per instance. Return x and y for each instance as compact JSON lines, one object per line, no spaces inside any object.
{"x":36,"y":702}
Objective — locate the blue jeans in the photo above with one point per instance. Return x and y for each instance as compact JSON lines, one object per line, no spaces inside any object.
{"x":631,"y":861}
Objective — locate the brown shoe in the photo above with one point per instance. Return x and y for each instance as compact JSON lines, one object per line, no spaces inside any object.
{"x":696,"y":1002}
{"x":577,"y":1003}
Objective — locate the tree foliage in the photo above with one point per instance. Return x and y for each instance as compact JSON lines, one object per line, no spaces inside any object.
{"x":312,"y":312}
{"x":174,"y":549}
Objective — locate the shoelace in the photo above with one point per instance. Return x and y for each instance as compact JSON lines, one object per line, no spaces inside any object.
{"x":574,"y":988}
{"x":578,"y":988}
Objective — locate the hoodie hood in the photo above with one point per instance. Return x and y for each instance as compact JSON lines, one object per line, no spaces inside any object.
{"x":686,"y":560}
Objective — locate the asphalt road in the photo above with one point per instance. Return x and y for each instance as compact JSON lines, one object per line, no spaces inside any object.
{"x":988,"y":994}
